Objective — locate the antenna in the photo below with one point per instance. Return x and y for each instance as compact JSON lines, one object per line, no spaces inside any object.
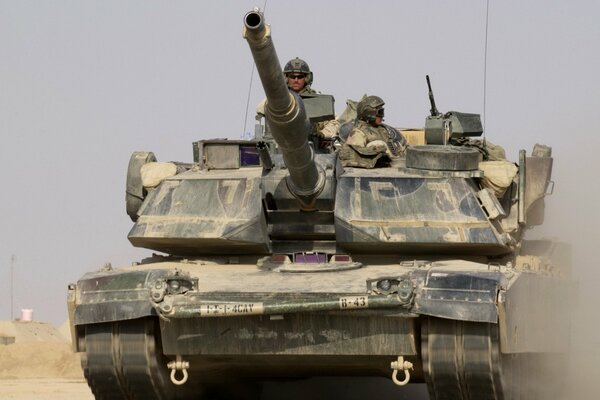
{"x":487,"y":13}
{"x":12,"y":270}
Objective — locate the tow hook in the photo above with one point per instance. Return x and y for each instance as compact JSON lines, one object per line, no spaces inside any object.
{"x":179,"y":365}
{"x":401,"y":365}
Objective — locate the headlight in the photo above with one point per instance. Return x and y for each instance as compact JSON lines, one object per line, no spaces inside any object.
{"x":389,"y":285}
{"x":179,"y":284}
{"x":384,"y":285}
{"x":174,"y":285}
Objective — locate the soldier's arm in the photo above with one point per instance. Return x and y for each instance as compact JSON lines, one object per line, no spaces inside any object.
{"x":330,"y":129}
{"x":357,"y":138}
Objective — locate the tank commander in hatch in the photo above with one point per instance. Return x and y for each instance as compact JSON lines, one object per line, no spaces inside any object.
{"x":371,"y":143}
{"x":299,"y":79}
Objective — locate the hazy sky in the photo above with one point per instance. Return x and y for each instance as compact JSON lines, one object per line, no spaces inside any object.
{"x":83,"y":84}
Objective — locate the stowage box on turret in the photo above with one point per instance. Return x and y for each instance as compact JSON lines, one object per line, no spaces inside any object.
{"x":282,"y":263}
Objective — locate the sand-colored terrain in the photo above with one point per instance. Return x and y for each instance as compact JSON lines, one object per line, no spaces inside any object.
{"x":37,"y":362}
{"x":45,"y":389}
{"x":41,"y":370}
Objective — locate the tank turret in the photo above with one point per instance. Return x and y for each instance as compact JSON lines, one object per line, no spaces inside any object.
{"x":285,"y":113}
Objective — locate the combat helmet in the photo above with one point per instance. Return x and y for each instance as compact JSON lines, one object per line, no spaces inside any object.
{"x":300,"y":66}
{"x":369,"y":108}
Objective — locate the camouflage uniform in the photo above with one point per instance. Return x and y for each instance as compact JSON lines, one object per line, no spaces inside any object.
{"x":324,"y":129}
{"x":260,"y":108}
{"x":370,"y":146}
{"x":307,"y":90}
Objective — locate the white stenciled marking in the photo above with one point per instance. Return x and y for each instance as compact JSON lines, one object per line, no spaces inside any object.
{"x":354,"y":302}
{"x":217,"y":310}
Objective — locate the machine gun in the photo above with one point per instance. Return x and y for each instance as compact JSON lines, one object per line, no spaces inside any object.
{"x":434,"y":111}
{"x":440,"y":128}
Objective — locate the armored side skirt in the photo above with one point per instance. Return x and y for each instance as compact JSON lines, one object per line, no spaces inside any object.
{"x":293,"y":345}
{"x":317,"y":334}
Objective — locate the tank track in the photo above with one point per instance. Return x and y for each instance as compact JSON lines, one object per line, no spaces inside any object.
{"x":121,"y":361}
{"x":462,"y":361}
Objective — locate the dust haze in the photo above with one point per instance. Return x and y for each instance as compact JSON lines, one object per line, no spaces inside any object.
{"x":573,"y":216}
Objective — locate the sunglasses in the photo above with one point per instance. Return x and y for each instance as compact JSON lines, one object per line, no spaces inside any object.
{"x":300,"y":76}
{"x":380,"y":112}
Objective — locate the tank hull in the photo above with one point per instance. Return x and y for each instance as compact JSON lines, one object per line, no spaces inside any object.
{"x":258,"y":321}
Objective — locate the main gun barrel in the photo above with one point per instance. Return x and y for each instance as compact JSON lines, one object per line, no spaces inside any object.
{"x":285,"y":114}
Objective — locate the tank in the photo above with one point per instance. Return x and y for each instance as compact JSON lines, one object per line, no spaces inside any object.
{"x":280,"y":263}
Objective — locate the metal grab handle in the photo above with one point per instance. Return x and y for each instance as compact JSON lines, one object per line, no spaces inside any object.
{"x":401,"y":365}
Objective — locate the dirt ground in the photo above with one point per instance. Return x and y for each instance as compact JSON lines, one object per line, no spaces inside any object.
{"x":41,"y":370}
{"x":34,"y":359}
{"x":45,"y":389}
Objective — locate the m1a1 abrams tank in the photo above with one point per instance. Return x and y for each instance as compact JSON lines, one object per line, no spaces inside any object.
{"x":281,"y":263}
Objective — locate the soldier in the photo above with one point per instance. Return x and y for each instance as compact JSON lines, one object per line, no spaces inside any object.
{"x":299,"y":76}
{"x":299,"y":79}
{"x":371,"y":143}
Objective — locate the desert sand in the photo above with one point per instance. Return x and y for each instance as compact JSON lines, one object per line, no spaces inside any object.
{"x":45,"y":389}
{"x":39,"y":360}
{"x":41,"y":370}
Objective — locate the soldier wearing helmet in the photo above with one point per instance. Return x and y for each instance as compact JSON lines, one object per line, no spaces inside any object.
{"x":371,"y":143}
{"x":299,"y":77}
